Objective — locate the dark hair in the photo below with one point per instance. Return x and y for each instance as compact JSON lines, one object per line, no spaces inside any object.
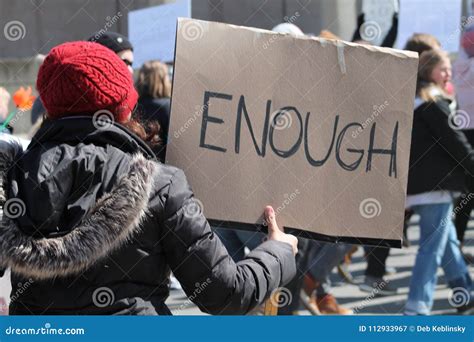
{"x":148,"y":131}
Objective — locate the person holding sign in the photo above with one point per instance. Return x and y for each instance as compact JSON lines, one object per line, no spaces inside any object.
{"x":439,"y":156}
{"x":94,"y":223}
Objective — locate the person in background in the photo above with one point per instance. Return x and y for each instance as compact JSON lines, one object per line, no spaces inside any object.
{"x":463,"y":79}
{"x":419,"y":43}
{"x":322,"y":258}
{"x":154,"y":90}
{"x":118,"y":43}
{"x":288,"y":28}
{"x":388,"y":41}
{"x":376,"y":256}
{"x":238,"y":242}
{"x":374,"y":276}
{"x":4,"y":101}
{"x":438,"y":157}
{"x":101,"y":212}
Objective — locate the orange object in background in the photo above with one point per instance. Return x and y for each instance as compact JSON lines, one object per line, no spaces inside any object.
{"x":23,"y":98}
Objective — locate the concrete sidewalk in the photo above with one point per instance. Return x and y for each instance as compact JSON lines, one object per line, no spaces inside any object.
{"x":364,"y":303}
{"x":348,"y":294}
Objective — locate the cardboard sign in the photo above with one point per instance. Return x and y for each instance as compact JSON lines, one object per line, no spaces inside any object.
{"x":318,"y":129}
{"x":152,"y":31}
{"x":441,"y":18}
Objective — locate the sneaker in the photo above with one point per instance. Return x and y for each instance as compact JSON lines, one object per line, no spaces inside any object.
{"x":328,"y":305}
{"x":389,"y":270}
{"x":377,"y":286}
{"x":413,"y":313}
{"x":343,"y":270}
{"x":309,"y":303}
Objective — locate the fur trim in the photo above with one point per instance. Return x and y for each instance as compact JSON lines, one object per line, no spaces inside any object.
{"x":108,"y":226}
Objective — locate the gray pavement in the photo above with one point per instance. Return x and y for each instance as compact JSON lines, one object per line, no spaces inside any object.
{"x":349,"y":294}
{"x":364,"y":303}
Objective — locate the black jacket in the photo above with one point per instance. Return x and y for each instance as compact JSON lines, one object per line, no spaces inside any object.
{"x":100,"y":225}
{"x":440,"y":155}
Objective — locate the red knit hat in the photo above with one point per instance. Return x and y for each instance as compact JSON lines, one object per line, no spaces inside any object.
{"x":83,"y":78}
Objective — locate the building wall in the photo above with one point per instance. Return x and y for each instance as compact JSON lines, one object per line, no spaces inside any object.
{"x":42,"y":24}
{"x":47,"y":23}
{"x":338,"y":16}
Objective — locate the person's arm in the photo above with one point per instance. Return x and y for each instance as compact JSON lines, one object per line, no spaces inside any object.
{"x":437,"y":117}
{"x":199,"y":260}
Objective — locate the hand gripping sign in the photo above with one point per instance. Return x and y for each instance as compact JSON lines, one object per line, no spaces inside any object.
{"x":319,"y":129}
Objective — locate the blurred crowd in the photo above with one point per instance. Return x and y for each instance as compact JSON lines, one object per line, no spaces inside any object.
{"x":243,"y":273}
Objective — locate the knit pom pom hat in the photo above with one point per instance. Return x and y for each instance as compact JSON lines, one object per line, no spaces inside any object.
{"x":83,"y":78}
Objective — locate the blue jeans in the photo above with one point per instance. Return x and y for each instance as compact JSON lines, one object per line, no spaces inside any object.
{"x":235,"y":241}
{"x":322,"y":258}
{"x":439,"y":246}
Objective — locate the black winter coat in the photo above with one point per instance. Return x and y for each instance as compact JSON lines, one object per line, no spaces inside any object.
{"x":100,"y":226}
{"x":440,"y":155}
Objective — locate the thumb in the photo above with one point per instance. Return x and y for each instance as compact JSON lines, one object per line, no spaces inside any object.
{"x":271,"y":220}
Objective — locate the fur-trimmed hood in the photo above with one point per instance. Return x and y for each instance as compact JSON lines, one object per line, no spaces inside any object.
{"x":110,"y":223}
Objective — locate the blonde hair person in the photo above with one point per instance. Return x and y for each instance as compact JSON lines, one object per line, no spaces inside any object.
{"x":440,"y":156}
{"x":154,"y":88}
{"x":153,"y":80}
{"x":434,"y":73}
